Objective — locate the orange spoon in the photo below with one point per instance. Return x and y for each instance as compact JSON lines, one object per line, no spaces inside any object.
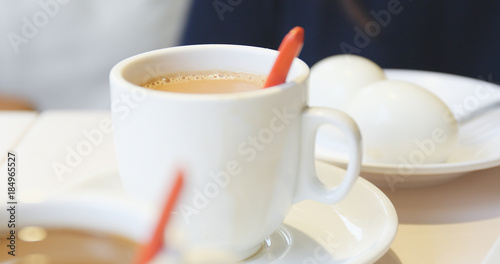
{"x":149,"y":251}
{"x":289,"y":48}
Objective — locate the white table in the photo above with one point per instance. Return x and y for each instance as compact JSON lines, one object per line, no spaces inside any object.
{"x":457,"y":222}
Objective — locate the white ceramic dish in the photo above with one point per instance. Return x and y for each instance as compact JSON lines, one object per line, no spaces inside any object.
{"x":359,"y":229}
{"x":476,"y":148}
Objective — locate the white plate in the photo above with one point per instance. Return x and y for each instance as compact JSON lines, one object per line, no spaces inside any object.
{"x":476,"y":148}
{"x":359,"y":229}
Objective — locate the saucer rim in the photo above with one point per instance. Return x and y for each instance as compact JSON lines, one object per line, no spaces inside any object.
{"x":392,"y":221}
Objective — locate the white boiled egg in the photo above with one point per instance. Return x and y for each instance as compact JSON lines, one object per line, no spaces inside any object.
{"x":403,"y":123}
{"x":336,"y":79}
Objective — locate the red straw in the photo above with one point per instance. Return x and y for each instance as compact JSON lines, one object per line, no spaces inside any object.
{"x":289,"y":48}
{"x":149,"y":251}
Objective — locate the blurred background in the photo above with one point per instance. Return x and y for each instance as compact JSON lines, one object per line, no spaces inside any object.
{"x":57,"y":54}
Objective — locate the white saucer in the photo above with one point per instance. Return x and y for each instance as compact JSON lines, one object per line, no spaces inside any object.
{"x":476,"y":148}
{"x":359,"y":229}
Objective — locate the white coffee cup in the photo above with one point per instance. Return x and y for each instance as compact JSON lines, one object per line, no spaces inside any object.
{"x":247,"y":156}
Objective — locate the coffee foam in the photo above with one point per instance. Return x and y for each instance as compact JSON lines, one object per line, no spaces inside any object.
{"x":194,"y":76}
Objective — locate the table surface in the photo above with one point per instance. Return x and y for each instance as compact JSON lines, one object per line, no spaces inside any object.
{"x":457,"y":222}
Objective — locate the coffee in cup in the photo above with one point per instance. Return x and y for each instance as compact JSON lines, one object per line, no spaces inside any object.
{"x":38,"y":245}
{"x":207,"y":82}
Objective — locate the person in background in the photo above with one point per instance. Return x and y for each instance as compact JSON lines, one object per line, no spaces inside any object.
{"x":57,"y":54}
{"x":458,"y":37}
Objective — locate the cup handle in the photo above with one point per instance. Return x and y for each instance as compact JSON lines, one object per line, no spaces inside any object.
{"x":309,"y":186}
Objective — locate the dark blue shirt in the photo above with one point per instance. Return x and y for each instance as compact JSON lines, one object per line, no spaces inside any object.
{"x":459,"y":37}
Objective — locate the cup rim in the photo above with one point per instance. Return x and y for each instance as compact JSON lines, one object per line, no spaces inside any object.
{"x":117,"y":77}
{"x":86,"y":213}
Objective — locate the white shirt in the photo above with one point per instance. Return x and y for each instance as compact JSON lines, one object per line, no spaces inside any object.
{"x":58,"y":53}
